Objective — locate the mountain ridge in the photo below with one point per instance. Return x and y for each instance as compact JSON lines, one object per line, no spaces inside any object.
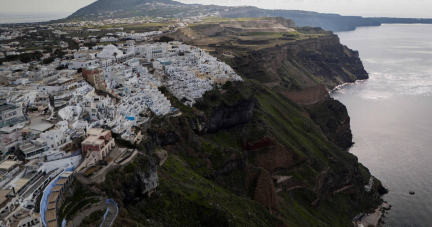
{"x":104,"y":9}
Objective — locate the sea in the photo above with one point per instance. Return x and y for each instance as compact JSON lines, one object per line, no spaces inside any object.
{"x":7,"y":18}
{"x":391,"y":115}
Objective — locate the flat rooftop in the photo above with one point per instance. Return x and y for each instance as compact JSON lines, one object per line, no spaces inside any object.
{"x":66,"y":174}
{"x":93,"y":140}
{"x":52,"y":206}
{"x":41,"y":127}
{"x":9,"y":129}
{"x":53,"y":197}
{"x":5,"y":107}
{"x":20,"y":183}
{"x":52,"y":224}
{"x":62,"y":181}
{"x":51,"y":215}
{"x":57,"y":188}
{"x":6,"y":165}
{"x":3,"y":194}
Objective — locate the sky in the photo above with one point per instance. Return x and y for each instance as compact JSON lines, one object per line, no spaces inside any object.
{"x":386,"y":8}
{"x":42,"y":6}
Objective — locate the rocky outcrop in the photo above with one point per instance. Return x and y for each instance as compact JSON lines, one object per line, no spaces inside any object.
{"x":226,"y":116}
{"x":163,"y":137}
{"x":308,"y":96}
{"x":162,"y":155}
{"x":265,"y":192}
{"x":302,"y":64}
{"x":332,"y":117}
{"x":148,"y":179}
{"x":139,"y":179}
{"x":274,"y":158}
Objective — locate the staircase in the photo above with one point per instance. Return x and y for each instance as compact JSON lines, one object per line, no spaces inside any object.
{"x":110,"y":216}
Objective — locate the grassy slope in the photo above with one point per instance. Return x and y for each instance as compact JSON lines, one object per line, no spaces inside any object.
{"x":185,"y":197}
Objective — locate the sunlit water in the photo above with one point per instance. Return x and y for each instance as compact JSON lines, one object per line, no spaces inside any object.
{"x":391,"y":115}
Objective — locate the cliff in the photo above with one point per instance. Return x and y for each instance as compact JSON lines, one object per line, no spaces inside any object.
{"x":263,"y":152}
{"x":273,"y":167}
{"x":303,"y":63}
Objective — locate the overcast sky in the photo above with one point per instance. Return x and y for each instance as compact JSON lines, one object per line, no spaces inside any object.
{"x":38,"y":6}
{"x":388,"y":8}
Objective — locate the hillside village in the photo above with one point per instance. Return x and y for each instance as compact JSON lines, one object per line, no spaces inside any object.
{"x":64,"y":117}
{"x":122,"y":117}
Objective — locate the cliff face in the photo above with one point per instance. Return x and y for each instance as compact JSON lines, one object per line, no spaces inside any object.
{"x":225,"y":116}
{"x":304,"y":71}
{"x":304,"y":63}
{"x":251,"y":154}
{"x":332,"y":117}
{"x":244,"y":156}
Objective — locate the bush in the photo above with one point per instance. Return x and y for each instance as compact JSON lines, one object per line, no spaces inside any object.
{"x":227,"y":85}
{"x":61,"y":67}
{"x":48,"y":60}
{"x":165,"y":39}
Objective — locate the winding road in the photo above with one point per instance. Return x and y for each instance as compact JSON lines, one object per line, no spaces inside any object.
{"x":110,"y":217}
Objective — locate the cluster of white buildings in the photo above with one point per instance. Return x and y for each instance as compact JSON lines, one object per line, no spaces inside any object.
{"x":138,"y":36}
{"x":8,"y":35}
{"x":49,"y":113}
{"x":59,"y":32}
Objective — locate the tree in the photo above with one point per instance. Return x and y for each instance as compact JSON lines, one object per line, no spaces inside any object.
{"x":61,"y":67}
{"x":47,"y":61}
{"x":227,"y":85}
{"x":58,"y":53}
{"x":90,"y":44}
{"x":48,"y":49}
{"x":115,"y":55}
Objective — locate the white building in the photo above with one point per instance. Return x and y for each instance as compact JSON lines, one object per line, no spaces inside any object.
{"x":110,"y":51}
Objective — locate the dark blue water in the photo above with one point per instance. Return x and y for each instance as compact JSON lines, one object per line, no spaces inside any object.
{"x":391,"y":115}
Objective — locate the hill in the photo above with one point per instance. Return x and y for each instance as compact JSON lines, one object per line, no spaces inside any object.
{"x":263,"y":152}
{"x":117,"y":6}
{"x":103,"y":9}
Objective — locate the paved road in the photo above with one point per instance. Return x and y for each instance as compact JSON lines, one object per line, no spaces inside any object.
{"x":78,"y":219}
